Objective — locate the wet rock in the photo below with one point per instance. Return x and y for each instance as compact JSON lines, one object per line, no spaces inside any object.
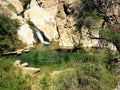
{"x":43,"y":20}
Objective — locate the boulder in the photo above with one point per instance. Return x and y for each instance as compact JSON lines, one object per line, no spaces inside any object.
{"x":4,"y":9}
{"x":47,"y":3}
{"x":66,"y":39}
{"x":25,"y":69}
{"x":25,"y":34}
{"x":43,"y":20}
{"x":17,"y":4}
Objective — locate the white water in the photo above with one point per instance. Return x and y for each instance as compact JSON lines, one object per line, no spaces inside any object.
{"x":28,"y":6}
{"x":39,"y":35}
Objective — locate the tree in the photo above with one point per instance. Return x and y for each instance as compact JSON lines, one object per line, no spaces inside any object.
{"x":8,"y":30}
{"x":111,"y":19}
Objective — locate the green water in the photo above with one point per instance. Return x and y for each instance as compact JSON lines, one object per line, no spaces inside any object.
{"x":45,"y":55}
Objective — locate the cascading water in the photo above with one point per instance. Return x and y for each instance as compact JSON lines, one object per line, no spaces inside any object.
{"x":40,"y":37}
{"x":33,"y":27}
{"x":27,"y":7}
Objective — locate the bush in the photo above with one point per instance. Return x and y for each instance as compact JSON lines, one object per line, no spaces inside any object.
{"x":111,"y":36}
{"x":87,"y":71}
{"x":8,"y":34}
{"x":86,"y":76}
{"x":88,"y":18}
{"x":10,"y":77}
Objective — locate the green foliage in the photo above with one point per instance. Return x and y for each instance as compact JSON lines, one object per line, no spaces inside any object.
{"x":88,"y":18}
{"x":8,"y":34}
{"x":10,"y":77}
{"x":87,"y":76}
{"x":92,"y":70}
{"x":84,"y":76}
{"x":111,"y":36}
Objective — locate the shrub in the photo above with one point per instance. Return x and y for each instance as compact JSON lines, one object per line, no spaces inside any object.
{"x":88,"y":18}
{"x":87,"y":71}
{"x":10,"y":77}
{"x":111,"y":36}
{"x":8,"y":37}
{"x":87,"y":76}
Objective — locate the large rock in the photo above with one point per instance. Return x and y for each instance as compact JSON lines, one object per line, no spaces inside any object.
{"x":67,"y":39}
{"x":4,"y":9}
{"x":86,"y":40}
{"x":113,"y":12}
{"x":17,"y":4}
{"x":25,"y":34}
{"x":25,"y":69}
{"x":43,"y":19}
{"x":47,"y":3}
{"x":91,"y":38}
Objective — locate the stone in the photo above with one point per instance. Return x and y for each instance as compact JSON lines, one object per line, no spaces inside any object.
{"x":47,"y":3}
{"x":25,"y":70}
{"x":18,"y":5}
{"x":43,"y":20}
{"x":4,"y":9}
{"x":25,"y":34}
{"x":86,"y":40}
{"x":67,"y":38}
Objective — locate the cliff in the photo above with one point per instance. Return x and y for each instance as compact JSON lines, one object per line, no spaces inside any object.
{"x":61,"y":21}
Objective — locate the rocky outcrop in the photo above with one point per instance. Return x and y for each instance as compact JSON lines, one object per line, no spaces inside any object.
{"x":67,"y":38}
{"x":24,"y":32}
{"x":113,"y":12}
{"x":43,"y":20}
{"x":25,"y":69}
{"x":17,"y":4}
{"x":87,"y":41}
{"x":57,"y":19}
{"x":47,"y":3}
{"x":4,"y":9}
{"x":26,"y":35}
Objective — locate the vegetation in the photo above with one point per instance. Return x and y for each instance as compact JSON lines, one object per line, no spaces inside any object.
{"x":86,"y":71}
{"x":10,"y":77}
{"x":81,"y":70}
{"x":92,"y":11}
{"x":62,"y":70}
{"x":8,"y":34}
{"x":111,"y":36}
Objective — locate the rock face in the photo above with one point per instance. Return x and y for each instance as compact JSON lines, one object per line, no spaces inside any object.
{"x":43,"y":19}
{"x":4,"y":9}
{"x":113,"y":13}
{"x":87,"y":41}
{"x":67,"y":38}
{"x":17,"y":4}
{"x":47,"y":3}
{"x":57,"y":20}
{"x":25,"y":34}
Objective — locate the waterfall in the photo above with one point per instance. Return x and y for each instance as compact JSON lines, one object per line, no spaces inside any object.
{"x":27,"y":7}
{"x":40,"y":37}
